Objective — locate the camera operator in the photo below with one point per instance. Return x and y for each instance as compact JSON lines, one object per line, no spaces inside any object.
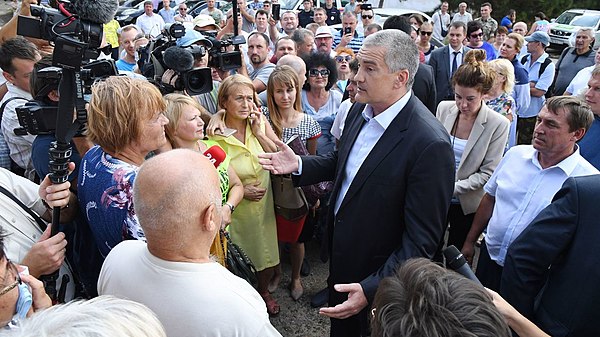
{"x":194,"y":38}
{"x":17,"y":59}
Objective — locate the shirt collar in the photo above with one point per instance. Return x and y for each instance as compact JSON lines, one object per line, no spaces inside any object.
{"x":387,"y":116}
{"x":567,"y":165}
{"x":18,"y":92}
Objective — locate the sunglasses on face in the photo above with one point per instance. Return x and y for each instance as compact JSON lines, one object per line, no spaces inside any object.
{"x":317,"y":72}
{"x":426,"y":33}
{"x":367,"y":17}
{"x":476,"y":35}
{"x":346,"y":58}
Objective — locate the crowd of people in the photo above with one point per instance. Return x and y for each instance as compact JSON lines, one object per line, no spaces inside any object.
{"x":393,"y":140}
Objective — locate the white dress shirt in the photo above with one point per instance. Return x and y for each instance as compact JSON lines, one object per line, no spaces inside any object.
{"x":522,"y":188}
{"x":368,"y":136}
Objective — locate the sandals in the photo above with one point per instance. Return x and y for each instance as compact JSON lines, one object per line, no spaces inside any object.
{"x":272,"y":305}
{"x":296,"y":293}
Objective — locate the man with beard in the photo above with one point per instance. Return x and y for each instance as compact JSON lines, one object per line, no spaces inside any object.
{"x":258,"y":51}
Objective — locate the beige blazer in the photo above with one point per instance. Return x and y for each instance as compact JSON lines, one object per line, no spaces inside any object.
{"x":482,"y":153}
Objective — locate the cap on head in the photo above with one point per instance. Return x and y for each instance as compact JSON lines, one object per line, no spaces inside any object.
{"x":323,"y":32}
{"x":203,"y":20}
{"x":191,"y":37}
{"x":539,"y":37}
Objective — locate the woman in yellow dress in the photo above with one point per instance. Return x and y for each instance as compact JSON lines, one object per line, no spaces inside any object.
{"x":253,"y":225}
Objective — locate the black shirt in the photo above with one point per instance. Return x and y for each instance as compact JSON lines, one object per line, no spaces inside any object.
{"x":333,"y":16}
{"x":304,"y":18}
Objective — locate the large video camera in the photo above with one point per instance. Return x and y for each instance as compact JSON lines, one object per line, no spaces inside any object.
{"x":222,"y":59}
{"x":37,"y":117}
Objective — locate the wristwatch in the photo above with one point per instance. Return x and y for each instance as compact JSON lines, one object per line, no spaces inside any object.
{"x":231,"y":207}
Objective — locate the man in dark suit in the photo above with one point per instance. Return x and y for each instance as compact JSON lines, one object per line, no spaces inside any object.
{"x":424,"y":86}
{"x":555,"y":261}
{"x":446,"y":60}
{"x":394,"y":177}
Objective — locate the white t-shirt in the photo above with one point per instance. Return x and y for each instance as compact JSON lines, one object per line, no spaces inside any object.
{"x":150,"y":25}
{"x":190,"y":299}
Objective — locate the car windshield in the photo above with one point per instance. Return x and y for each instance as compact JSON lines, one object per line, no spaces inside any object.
{"x":566,"y":18}
{"x":287,"y":4}
{"x":586,"y":21}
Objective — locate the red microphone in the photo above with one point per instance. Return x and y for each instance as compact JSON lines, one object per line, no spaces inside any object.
{"x":215,"y":154}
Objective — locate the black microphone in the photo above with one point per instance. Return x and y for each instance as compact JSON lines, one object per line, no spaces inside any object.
{"x":457,"y":262}
{"x":178,"y":59}
{"x":97,"y":11}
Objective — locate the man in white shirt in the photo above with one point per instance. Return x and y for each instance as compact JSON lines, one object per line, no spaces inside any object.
{"x":525,"y":182}
{"x":151,"y":24}
{"x":18,"y":56}
{"x":462,"y":14}
{"x":173,"y":274}
{"x":182,"y":15}
{"x":441,"y":21}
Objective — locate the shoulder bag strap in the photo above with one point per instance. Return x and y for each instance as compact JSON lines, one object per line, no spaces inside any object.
{"x":36,"y":217}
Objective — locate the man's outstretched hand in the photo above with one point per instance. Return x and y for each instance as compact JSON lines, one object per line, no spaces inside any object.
{"x":283,"y":162}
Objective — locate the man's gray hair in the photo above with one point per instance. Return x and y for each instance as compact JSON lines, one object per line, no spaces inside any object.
{"x":589,"y":31}
{"x":300,"y":34}
{"x":349,"y":14}
{"x":103,"y":316}
{"x":400,"y":51}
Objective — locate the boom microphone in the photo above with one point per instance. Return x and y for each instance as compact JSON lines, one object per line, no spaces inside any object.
{"x":178,"y":59}
{"x":215,"y":154}
{"x":97,"y":11}
{"x":457,"y":262}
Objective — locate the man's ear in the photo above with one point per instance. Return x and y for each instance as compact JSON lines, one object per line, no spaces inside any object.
{"x":209,"y":218}
{"x":53,"y":95}
{"x":8,"y":76}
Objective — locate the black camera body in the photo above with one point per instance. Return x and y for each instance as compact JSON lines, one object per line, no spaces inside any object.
{"x":37,"y":117}
{"x":225,"y":60}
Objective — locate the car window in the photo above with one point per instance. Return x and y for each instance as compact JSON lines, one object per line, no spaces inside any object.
{"x":586,"y":21}
{"x":566,"y":17}
{"x":288,"y":4}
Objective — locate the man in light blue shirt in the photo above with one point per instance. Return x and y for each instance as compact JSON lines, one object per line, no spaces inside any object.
{"x":525,"y":182}
{"x":541,"y":74}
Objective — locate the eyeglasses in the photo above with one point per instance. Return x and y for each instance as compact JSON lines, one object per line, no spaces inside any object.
{"x":476,"y":35}
{"x":346,"y":58}
{"x":423,"y":33}
{"x":183,"y":9}
{"x":367,"y":17}
{"x":11,"y":266}
{"x":317,"y":72}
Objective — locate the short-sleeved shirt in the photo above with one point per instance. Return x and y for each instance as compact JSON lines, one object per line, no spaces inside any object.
{"x":354,"y":44}
{"x":150,"y":25}
{"x":462,"y":17}
{"x":521,"y":92}
{"x":506,"y":22}
{"x":167,"y":15}
{"x":580,"y":81}
{"x":440,"y":21}
{"x":333,"y":16}
{"x":569,"y":65}
{"x":124,"y":65}
{"x":105,"y":192}
{"x":262,"y":73}
{"x":307,"y":129}
{"x":522,"y":188}
{"x":541,"y":83}
{"x":215,"y":14}
{"x":304,"y":18}
{"x":325,"y":117}
{"x":490,"y":26}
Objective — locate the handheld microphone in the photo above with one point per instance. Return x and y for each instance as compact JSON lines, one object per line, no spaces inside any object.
{"x":215,"y":154}
{"x":178,"y":59}
{"x":457,"y":262}
{"x":97,"y":11}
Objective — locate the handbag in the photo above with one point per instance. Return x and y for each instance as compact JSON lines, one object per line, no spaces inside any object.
{"x":444,"y":31}
{"x":290,"y":202}
{"x":237,"y":261}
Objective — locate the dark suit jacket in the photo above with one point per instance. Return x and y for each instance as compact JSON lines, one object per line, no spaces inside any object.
{"x":565,"y":238}
{"x":396,"y":205}
{"x":424,"y":87}
{"x":440,"y":63}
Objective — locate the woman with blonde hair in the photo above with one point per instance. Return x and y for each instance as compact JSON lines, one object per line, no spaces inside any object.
{"x":478,"y":136}
{"x":499,"y":98}
{"x":424,"y":43}
{"x":126,"y":121}
{"x":186,"y":130}
{"x":253,"y":225}
{"x":285,"y":114}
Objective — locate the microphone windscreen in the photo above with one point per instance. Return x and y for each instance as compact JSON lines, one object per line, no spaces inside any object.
{"x":178,"y":59}
{"x":215,"y":154}
{"x":98,"y":11}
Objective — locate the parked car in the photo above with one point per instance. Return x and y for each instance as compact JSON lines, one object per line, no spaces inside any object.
{"x":132,"y":9}
{"x":297,"y":4}
{"x":562,"y":33}
{"x":224,"y":6}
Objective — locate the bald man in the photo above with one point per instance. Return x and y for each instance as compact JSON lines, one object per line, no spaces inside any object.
{"x":521,"y":29}
{"x":179,"y":209}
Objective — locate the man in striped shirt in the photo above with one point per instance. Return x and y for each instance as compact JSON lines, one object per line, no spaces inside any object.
{"x":353,"y":39}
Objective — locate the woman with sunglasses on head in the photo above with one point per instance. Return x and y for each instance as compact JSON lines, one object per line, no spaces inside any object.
{"x":318,"y":101}
{"x":284,"y":113}
{"x":499,"y":97}
{"x":342,"y":59}
{"x":478,"y":136}
{"x":424,"y":43}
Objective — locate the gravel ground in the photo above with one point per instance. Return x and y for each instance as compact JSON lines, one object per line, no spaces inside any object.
{"x":298,"y":319}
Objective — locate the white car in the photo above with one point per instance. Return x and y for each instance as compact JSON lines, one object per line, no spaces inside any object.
{"x":297,"y":4}
{"x":564,"y":29}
